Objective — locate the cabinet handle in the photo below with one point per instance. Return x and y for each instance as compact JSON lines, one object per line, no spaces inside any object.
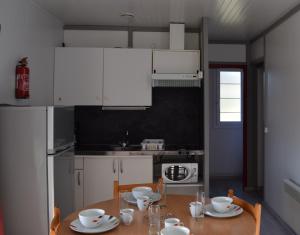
{"x":78,"y":178}
{"x":114,"y":166}
{"x":121,"y":166}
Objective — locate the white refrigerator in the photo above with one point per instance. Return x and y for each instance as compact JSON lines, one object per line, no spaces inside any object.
{"x":36,"y":150}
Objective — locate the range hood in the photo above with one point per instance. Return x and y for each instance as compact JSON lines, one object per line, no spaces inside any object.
{"x":176,"y":67}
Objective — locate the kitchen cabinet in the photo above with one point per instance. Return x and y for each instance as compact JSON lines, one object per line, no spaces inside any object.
{"x":176,"y":62}
{"x":100,"y":172}
{"x":99,"y":176}
{"x":127,"y":77}
{"x":63,"y":184}
{"x":135,"y":170}
{"x":78,"y":76}
{"x":78,"y":190}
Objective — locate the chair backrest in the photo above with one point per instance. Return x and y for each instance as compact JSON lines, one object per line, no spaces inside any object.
{"x":127,"y":188}
{"x":255,"y":210}
{"x":55,"y":223}
{"x":1,"y":223}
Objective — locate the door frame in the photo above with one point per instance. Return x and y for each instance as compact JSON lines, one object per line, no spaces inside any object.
{"x":243,"y":67}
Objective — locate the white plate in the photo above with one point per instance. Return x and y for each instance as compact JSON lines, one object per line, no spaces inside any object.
{"x":235,"y":210}
{"x":109,"y":223}
{"x":128,"y":197}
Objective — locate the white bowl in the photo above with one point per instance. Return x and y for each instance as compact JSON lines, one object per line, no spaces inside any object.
{"x":221,"y":204}
{"x":91,"y":218}
{"x":175,"y":230}
{"x":141,"y":191}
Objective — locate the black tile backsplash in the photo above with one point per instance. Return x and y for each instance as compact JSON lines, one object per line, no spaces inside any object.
{"x":176,"y":116}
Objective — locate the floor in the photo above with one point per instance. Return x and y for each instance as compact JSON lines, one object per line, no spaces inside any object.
{"x":270,"y":225}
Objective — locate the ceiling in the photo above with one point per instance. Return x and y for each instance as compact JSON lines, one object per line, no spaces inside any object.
{"x":228,"y":19}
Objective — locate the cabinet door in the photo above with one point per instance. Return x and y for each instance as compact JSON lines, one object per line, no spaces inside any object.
{"x":99,"y":176}
{"x":127,"y":77}
{"x":78,"y":189}
{"x":78,"y":77}
{"x":135,"y":170}
{"x":64,"y":184}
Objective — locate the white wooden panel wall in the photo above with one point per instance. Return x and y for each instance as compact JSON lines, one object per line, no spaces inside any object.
{"x":257,"y":49}
{"x":28,"y":30}
{"x":227,"y":53}
{"x":282,"y":147}
{"x":109,"y":39}
{"x":154,"y":40}
{"x":95,"y":38}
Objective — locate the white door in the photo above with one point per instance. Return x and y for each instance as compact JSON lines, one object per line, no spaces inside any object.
{"x":78,"y":77}
{"x":99,"y":175}
{"x":78,"y":190}
{"x":135,"y":170}
{"x":127,"y":77}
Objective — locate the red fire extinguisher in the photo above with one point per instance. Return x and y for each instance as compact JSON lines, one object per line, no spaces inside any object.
{"x":22,"y":79}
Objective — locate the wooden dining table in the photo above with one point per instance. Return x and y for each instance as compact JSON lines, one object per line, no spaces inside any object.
{"x":176,"y":206}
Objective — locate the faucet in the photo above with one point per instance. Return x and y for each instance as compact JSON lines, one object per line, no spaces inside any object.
{"x":124,"y":143}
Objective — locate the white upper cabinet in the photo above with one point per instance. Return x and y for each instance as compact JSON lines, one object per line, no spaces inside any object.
{"x":172,"y":62}
{"x":78,"y":78}
{"x":127,"y":77}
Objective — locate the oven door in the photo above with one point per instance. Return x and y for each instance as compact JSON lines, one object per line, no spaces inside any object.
{"x":177,"y":173}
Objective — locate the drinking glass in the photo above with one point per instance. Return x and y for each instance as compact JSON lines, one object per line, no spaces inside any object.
{"x":162,"y":190}
{"x":154,"y":219}
{"x":123,"y":204}
{"x":200,"y":198}
{"x":154,"y":229}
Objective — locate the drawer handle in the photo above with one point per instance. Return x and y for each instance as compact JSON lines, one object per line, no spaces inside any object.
{"x":78,"y":179}
{"x":114,"y":166}
{"x":121,"y":166}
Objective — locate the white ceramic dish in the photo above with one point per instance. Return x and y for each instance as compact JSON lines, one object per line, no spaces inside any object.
{"x":222,"y":204}
{"x":235,"y":210}
{"x":108,"y":223}
{"x":175,"y":230}
{"x":141,"y":191}
{"x":91,"y":218}
{"x":128,"y":197}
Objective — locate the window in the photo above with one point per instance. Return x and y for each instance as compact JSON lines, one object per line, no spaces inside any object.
{"x":230,"y":97}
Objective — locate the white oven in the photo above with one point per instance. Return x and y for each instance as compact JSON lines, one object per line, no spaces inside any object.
{"x":179,"y":173}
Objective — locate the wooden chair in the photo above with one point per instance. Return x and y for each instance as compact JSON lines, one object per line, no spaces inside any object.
{"x":255,"y":210}
{"x":127,"y":188}
{"x":1,"y":223}
{"x":55,"y":223}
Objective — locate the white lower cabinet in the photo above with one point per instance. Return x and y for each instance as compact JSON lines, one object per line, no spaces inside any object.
{"x":100,"y":172}
{"x":99,"y":175}
{"x":78,"y":189}
{"x":135,"y":170}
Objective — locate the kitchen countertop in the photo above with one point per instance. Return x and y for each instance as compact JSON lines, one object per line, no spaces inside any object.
{"x":132,"y":153}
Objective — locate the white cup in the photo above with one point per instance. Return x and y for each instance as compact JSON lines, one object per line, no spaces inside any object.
{"x":126,"y":216}
{"x":143,"y":202}
{"x":175,"y":230}
{"x":91,"y":218}
{"x":196,"y":209}
{"x":172,"y":222}
{"x":222,"y":204}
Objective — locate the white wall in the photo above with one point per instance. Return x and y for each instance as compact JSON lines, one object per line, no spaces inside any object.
{"x":104,"y":38}
{"x":257,"y":49}
{"x":282,"y":148}
{"x":95,"y":38}
{"x":27,"y":30}
{"x":227,"y":53}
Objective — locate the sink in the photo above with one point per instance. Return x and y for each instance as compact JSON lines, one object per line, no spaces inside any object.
{"x":127,"y":148}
